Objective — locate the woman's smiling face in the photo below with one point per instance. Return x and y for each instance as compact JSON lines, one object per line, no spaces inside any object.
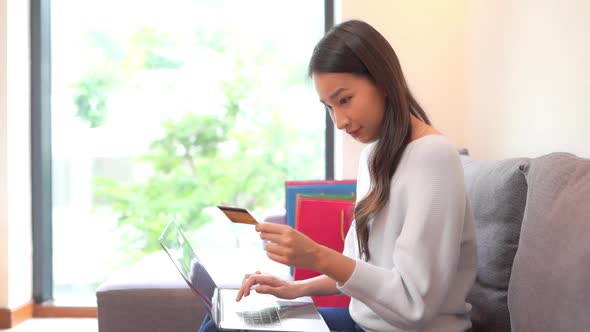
{"x":354,"y":102}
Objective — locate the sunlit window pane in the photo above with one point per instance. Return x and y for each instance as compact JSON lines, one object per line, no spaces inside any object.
{"x":168,"y":108}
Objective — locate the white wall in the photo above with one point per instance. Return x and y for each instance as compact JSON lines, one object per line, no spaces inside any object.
{"x":428,"y":37}
{"x":528,"y":77}
{"x":3,"y":139}
{"x":503,"y":78}
{"x":15,"y":169}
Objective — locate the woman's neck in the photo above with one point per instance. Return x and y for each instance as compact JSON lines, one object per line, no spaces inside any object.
{"x":421,"y":129}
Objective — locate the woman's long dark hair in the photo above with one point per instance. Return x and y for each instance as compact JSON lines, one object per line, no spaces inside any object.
{"x":357,"y":48}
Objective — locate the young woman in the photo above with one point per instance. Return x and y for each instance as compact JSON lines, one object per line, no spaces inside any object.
{"x":410,"y":256}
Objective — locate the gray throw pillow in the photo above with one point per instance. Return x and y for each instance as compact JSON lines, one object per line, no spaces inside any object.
{"x":496,"y":191}
{"x":550,"y":284}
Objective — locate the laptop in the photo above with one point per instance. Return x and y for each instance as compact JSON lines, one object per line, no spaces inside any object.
{"x":257,"y":312}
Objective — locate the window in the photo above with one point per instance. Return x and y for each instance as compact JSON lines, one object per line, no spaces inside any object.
{"x":163,"y":110}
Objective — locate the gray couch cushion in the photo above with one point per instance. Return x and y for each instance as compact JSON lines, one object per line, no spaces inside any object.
{"x":550,"y":284}
{"x":496,"y":191}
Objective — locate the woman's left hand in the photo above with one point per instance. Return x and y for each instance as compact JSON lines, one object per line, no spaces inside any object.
{"x":288,"y":246}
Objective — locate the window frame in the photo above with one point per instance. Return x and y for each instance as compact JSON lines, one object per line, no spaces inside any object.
{"x":41,"y":175}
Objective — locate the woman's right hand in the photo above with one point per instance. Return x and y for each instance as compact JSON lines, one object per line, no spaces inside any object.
{"x":267,"y":284}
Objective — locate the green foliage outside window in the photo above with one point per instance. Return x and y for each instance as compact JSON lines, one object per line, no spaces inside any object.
{"x":200,"y":160}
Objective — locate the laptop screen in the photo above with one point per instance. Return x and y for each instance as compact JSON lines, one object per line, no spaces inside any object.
{"x":188,"y":264}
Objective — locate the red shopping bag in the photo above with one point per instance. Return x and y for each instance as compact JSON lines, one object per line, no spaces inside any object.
{"x":326,"y":220}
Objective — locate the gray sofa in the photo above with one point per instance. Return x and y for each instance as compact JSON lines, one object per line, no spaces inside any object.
{"x":533,"y":231}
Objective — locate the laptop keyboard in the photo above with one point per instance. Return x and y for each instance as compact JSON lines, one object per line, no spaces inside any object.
{"x":264,"y":317}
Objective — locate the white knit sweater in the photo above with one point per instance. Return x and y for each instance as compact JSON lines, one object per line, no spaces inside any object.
{"x":422,"y":245}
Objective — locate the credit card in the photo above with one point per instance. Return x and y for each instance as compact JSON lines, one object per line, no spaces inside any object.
{"x":238,"y":215}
